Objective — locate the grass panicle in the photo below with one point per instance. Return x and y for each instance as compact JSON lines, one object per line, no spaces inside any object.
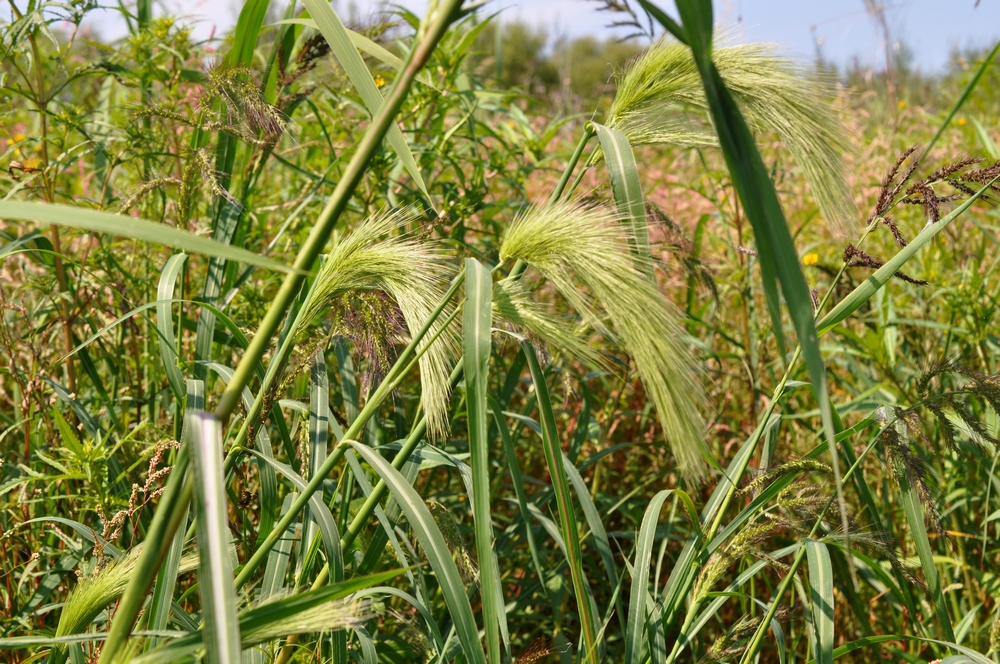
{"x":514,"y":305}
{"x":574,"y":244}
{"x":412,"y":272}
{"x":661,"y":100}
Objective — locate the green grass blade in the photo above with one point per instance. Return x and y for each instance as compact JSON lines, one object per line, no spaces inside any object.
{"x":262,"y":444}
{"x":821,"y":598}
{"x":910,"y":499}
{"x":247,"y":29}
{"x":962,"y":98}
{"x":518,"y":481}
{"x":215,"y":570}
{"x":627,"y":190}
{"x":339,"y":38}
{"x":165,"y":323}
{"x":225,"y":227}
{"x":635,"y":629}
{"x":377,"y":545}
{"x":277,"y":560}
{"x":95,"y":221}
{"x":319,"y":442}
{"x":364,"y":44}
{"x":601,"y":542}
{"x":437,"y":551}
{"x":477,"y":324}
{"x":564,"y":504}
{"x":873,"y":283}
{"x":778,"y":256}
{"x":870,"y":641}
{"x":318,"y":510}
{"x":166,"y":580}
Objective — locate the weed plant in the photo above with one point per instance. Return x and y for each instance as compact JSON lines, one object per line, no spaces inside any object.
{"x":324,"y":347}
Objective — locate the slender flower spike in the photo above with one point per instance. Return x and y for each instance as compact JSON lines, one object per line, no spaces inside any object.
{"x":574,"y":245}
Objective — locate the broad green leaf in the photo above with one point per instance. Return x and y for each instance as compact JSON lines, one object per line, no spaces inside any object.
{"x":821,"y":598}
{"x":95,"y":221}
{"x":215,"y":570}
{"x":337,"y":35}
{"x":627,"y":190}
{"x":477,"y":328}
{"x":437,"y":551}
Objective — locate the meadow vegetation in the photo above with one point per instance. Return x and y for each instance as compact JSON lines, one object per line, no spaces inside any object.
{"x":417,"y":342}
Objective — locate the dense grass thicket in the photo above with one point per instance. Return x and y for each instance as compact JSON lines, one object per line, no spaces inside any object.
{"x":385,"y":343}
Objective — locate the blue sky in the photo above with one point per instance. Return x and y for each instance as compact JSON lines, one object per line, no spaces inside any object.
{"x":930,"y":28}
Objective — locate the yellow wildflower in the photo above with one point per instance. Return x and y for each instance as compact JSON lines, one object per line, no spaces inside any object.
{"x":901,"y":104}
{"x":961,"y":121}
{"x":379,"y":81}
{"x":18,"y":137}
{"x":811,"y":258}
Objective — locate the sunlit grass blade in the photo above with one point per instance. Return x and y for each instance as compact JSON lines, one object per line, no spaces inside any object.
{"x":597,"y":531}
{"x":627,"y":189}
{"x":95,"y":221}
{"x":821,"y":598}
{"x":635,"y":628}
{"x":437,"y":551}
{"x":215,"y":572}
{"x":312,"y":611}
{"x":566,"y":512}
{"x":247,"y":29}
{"x":165,"y":322}
{"x":333,"y":30}
{"x":477,"y":329}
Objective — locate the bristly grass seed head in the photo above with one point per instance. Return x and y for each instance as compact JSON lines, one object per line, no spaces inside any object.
{"x":661,"y":99}
{"x":411,"y":272}
{"x":571,"y":243}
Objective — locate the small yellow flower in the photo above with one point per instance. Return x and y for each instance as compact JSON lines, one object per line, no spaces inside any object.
{"x":18,"y":137}
{"x":379,"y":81}
{"x":811,"y":258}
{"x":901,"y":104}
{"x":961,"y":121}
